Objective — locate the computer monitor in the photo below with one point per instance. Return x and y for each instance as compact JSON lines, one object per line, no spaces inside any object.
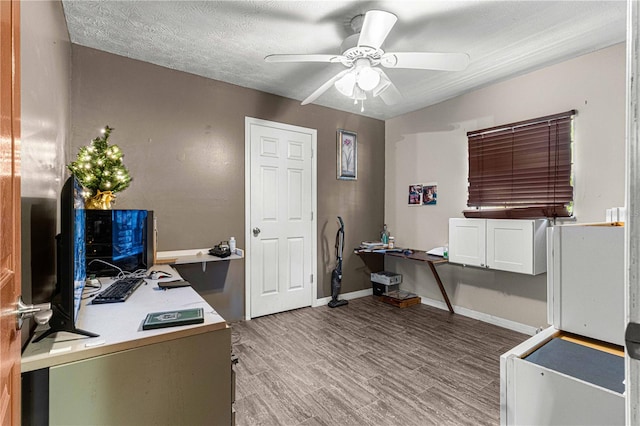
{"x":70,"y":262}
{"x":118,"y":241}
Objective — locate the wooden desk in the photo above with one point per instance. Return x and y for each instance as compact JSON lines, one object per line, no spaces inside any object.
{"x":175,"y":375}
{"x":420,"y":256}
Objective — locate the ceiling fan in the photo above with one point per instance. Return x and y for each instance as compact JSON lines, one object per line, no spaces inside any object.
{"x":362,"y":53}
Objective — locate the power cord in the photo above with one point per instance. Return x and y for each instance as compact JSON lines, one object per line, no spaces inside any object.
{"x":138,"y":273}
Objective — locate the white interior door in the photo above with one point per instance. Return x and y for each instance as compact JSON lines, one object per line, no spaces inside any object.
{"x":281,"y":247}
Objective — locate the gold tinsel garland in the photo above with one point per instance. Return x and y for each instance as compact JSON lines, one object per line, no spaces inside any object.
{"x":101,"y":201}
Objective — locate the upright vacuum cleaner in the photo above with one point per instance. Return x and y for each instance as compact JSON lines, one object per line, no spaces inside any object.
{"x":336,"y":275}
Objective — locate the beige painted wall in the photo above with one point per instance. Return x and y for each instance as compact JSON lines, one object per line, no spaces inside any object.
{"x":45,"y":89}
{"x":430,"y":145}
{"x":183,"y":138}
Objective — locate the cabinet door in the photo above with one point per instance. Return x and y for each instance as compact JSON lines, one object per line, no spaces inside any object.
{"x":184,"y":381}
{"x":510,"y":245}
{"x":467,"y":239}
{"x":587,"y":289}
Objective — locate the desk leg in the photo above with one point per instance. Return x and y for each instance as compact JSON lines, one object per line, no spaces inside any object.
{"x":442,"y":290}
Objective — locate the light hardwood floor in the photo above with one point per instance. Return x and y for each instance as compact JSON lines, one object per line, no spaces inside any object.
{"x":368,"y":363}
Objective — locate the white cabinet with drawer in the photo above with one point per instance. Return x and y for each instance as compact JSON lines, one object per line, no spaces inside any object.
{"x":505,"y":245}
{"x":573,"y":371}
{"x":559,"y":379}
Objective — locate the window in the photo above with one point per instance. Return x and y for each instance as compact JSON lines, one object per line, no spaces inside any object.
{"x":522,"y":170}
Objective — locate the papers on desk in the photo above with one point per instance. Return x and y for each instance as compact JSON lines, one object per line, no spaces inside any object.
{"x":376,"y":247}
{"x":438,"y":251}
{"x":372,"y":245}
{"x":381,"y":249}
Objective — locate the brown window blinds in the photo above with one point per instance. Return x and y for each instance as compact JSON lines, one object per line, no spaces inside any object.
{"x":523,"y":168}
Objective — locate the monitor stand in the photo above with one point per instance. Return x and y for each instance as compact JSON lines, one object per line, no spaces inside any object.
{"x":61,"y":321}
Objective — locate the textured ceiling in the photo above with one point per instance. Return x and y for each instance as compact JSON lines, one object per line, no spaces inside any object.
{"x":227,"y":40}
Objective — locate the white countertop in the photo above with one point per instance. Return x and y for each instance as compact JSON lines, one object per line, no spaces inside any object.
{"x":120,"y":325}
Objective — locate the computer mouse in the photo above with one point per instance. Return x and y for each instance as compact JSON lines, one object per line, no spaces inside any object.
{"x":156,"y":275}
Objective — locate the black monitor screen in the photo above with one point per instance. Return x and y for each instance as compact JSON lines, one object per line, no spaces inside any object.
{"x":128,"y":233}
{"x":71,"y":268}
{"x":79,"y":248}
{"x":117,"y":240}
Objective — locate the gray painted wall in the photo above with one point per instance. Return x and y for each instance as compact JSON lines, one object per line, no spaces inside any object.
{"x":184,"y":142}
{"x":45,"y":88}
{"x":430,"y":145}
{"x":183,"y":139}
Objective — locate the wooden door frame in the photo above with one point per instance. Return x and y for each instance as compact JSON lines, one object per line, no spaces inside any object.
{"x":632,"y":228}
{"x":10,"y":263}
{"x":247,"y":206}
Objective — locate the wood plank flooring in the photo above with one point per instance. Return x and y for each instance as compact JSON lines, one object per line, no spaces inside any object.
{"x":368,"y":363}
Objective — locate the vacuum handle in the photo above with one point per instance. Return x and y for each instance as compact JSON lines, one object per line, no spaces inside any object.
{"x":340,"y":241}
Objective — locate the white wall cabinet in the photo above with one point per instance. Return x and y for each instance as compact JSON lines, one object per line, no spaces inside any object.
{"x":504,"y":245}
{"x":467,"y":241}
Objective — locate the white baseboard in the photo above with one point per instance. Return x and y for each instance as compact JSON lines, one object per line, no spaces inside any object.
{"x":346,"y":296}
{"x":500,"y":322}
{"x":481,"y":316}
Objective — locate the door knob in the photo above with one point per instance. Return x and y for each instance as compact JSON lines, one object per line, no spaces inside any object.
{"x":256,"y":231}
{"x":41,"y":313}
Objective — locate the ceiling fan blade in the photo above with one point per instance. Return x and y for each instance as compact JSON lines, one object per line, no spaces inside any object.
{"x":304,"y":58}
{"x":389,"y":93}
{"x":320,"y":90}
{"x":426,"y":61}
{"x":376,"y":27}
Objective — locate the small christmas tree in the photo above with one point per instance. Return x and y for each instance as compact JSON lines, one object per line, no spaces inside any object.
{"x":99,"y":168}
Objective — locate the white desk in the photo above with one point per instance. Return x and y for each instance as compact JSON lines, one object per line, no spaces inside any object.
{"x":127,"y":375}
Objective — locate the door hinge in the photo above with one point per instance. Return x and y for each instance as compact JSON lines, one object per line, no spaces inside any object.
{"x":311,"y":278}
{"x":312,"y":153}
{"x":311,"y":215}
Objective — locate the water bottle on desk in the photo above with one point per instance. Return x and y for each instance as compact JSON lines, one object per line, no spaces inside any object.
{"x":384,"y":236}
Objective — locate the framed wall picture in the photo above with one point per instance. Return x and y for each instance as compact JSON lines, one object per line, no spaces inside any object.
{"x":347,"y":158}
{"x":415,"y":195}
{"x":430,"y":194}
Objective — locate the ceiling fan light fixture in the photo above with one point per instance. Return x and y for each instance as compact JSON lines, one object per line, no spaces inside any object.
{"x":346,"y":84}
{"x":367,"y":78}
{"x":359,"y":94}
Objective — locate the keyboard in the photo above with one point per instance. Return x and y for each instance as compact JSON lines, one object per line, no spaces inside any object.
{"x":119,"y":291}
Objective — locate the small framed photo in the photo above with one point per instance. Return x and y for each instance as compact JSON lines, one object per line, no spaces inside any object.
{"x":347,"y":159}
{"x":415,"y":195}
{"x":429,"y":194}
